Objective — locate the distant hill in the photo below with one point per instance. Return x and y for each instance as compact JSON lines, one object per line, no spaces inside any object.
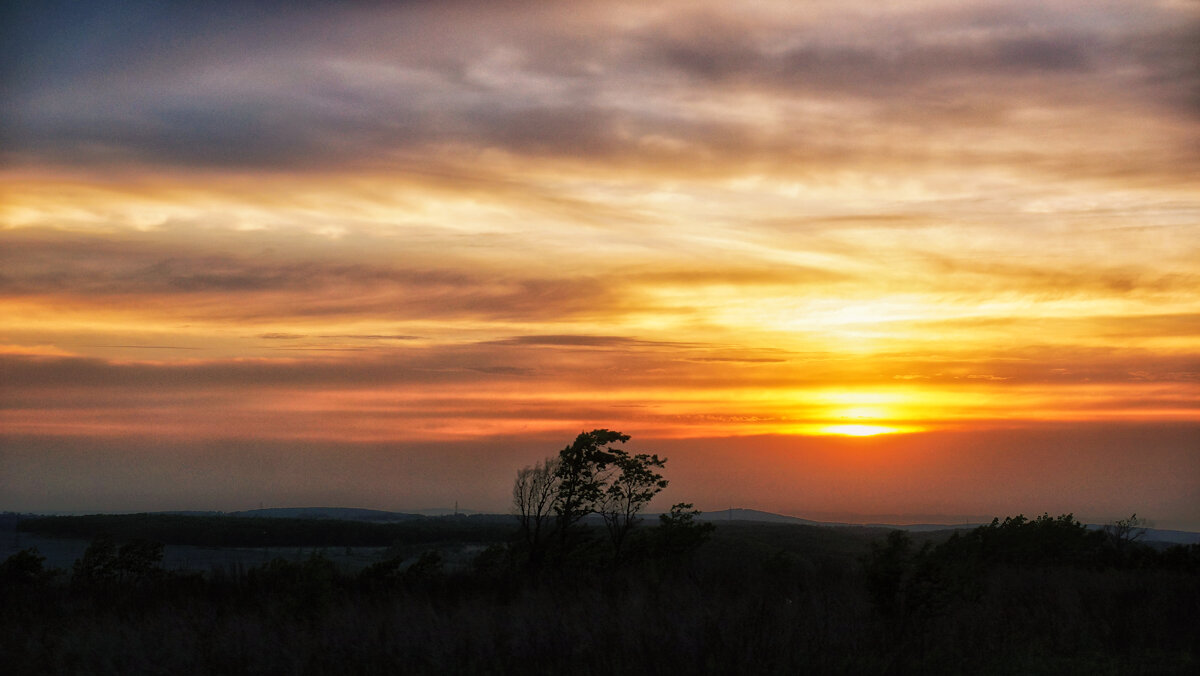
{"x":446,"y":511}
{"x":1159,"y":538}
{"x":1152,"y":535}
{"x":738,"y":514}
{"x":735,"y":514}
{"x":1166,"y":537}
{"x":350,"y":513}
{"x":340,"y":513}
{"x":757,"y":516}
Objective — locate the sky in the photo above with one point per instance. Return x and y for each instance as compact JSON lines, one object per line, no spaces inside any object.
{"x":852,"y":260}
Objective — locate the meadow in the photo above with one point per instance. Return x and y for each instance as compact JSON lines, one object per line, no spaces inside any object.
{"x":1019,"y":596}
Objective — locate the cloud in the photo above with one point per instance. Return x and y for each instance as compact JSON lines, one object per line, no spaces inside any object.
{"x":1041,"y":280}
{"x":587,"y":341}
{"x":370,"y":86}
{"x":633,"y":371}
{"x":741,"y":360}
{"x":1062,"y":364}
{"x":875,"y":62}
{"x":154,"y":276}
{"x":369,"y":336}
{"x":35,"y":350}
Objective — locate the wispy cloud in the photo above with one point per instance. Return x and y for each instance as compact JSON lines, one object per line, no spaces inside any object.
{"x":608,"y":82}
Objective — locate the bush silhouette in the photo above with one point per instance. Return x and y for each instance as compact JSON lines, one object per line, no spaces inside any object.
{"x":25,"y":568}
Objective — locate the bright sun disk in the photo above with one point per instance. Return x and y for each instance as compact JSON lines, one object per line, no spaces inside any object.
{"x":858,"y":430}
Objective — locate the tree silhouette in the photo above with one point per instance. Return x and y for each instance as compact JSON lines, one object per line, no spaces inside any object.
{"x":678,"y":531}
{"x":886,"y":568}
{"x":1123,"y":533}
{"x":103,"y":563}
{"x":583,"y":473}
{"x":590,"y":476}
{"x":26,"y":567}
{"x":630,"y":489}
{"x":535,"y":493}
{"x":98,"y":565}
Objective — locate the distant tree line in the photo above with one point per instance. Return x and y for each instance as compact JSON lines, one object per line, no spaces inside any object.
{"x":236,"y":531}
{"x":919,"y":588}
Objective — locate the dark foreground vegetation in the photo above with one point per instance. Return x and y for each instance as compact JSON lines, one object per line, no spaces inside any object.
{"x":571,"y":585}
{"x":1046,"y":596}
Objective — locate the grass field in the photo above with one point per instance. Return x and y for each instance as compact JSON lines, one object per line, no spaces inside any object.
{"x":1044,"y":596}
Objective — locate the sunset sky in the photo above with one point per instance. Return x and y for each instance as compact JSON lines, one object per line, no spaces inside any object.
{"x":845,"y":260}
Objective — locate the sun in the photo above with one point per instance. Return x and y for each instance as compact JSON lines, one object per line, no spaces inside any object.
{"x":859,"y":430}
{"x":862,"y":414}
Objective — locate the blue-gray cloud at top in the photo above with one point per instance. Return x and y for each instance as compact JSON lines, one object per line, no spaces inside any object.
{"x":370,"y":85}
